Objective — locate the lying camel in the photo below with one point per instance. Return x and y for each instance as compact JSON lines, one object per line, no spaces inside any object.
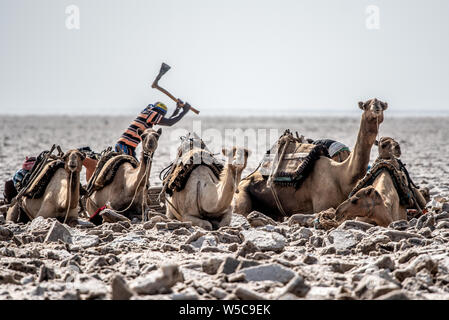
{"x":60,"y":199}
{"x":328,"y":185}
{"x":378,"y":203}
{"x":206,"y":200}
{"x":127,"y":191}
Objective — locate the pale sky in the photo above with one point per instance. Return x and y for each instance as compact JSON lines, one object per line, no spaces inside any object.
{"x":227,"y":57}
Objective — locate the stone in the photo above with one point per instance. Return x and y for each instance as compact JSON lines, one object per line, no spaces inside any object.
{"x":297,"y":286}
{"x":405,"y":257}
{"x":228,"y":266}
{"x":402,"y":274}
{"x":443,"y":225}
{"x":369,"y":283}
{"x":303,"y":233}
{"x":187,"y":248}
{"x":218,"y":293}
{"x":238,"y":220}
{"x":5,"y":234}
{"x":396,"y":235}
{"x":385,"y":262}
{"x":341,"y":267}
{"x":159,"y":281}
{"x":120,"y":290}
{"x":265,"y":241}
{"x":400,"y":225}
{"x":188,"y":294}
{"x":353,"y":224}
{"x":309,"y":259}
{"x":211,"y":265}
{"x":272,"y":272}
{"x":247,"y":294}
{"x":46,"y":273}
{"x":258,"y":219}
{"x":246,"y":248}
{"x":58,"y":232}
{"x":305,"y":220}
{"x":342,"y":240}
{"x":239,"y":277}
{"x":316,"y":241}
{"x":394,"y":295}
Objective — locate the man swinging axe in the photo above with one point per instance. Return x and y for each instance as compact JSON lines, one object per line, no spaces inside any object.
{"x":153,"y":114}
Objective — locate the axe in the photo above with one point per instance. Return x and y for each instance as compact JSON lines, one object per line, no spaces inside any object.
{"x":164,"y":68}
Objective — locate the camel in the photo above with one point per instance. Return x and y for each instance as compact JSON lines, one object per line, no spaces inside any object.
{"x":127,"y":191}
{"x":379,"y":203}
{"x":206,"y":201}
{"x":328,"y":185}
{"x":61,"y":196}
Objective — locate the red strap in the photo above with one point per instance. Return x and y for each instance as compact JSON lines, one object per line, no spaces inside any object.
{"x":98,"y":211}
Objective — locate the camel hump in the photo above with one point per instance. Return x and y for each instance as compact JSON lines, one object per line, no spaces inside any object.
{"x":291,"y":160}
{"x":400,"y":181}
{"x":37,"y":187}
{"x":186,"y":163}
{"x":109,"y":169}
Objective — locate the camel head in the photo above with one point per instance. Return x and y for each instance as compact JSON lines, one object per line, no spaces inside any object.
{"x":236,"y":159}
{"x":363,"y":203}
{"x":150,"y":140}
{"x":373,"y":113}
{"x":73,"y":160}
{"x":388,"y":148}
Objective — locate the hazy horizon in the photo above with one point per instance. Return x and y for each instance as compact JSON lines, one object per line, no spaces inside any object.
{"x":241,"y":58}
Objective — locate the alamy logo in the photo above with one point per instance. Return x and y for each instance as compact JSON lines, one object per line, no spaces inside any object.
{"x":372,"y":21}
{"x":72,"y":22}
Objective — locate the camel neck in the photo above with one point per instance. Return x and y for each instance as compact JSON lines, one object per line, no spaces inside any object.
{"x":357,"y":163}
{"x":226,"y":188}
{"x":73,"y":190}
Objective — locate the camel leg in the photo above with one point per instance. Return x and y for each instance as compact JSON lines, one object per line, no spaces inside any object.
{"x":242,"y":202}
{"x":198,"y":222}
{"x":13,"y":213}
{"x":226,"y":220}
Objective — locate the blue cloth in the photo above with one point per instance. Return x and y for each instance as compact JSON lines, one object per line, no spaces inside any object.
{"x":18,"y":176}
{"x":121,"y":147}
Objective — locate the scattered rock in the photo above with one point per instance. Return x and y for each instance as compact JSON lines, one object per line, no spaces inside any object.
{"x":396,"y":235}
{"x":211,"y":265}
{"x":305,"y":220}
{"x":119,"y":288}
{"x":385,"y":262}
{"x":258,"y":219}
{"x":159,"y":281}
{"x":228,"y":266}
{"x":273,"y":272}
{"x":247,"y":294}
{"x":297,"y":286}
{"x":342,"y":240}
{"x":58,"y":232}
{"x":246,"y":248}
{"x":265,"y":241}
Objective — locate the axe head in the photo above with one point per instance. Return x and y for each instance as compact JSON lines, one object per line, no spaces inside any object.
{"x":164,"y":68}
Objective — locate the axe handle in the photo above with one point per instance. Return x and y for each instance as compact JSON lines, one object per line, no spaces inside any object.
{"x":154,"y":85}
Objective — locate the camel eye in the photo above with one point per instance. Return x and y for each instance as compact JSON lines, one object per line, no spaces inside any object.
{"x":354,"y":201}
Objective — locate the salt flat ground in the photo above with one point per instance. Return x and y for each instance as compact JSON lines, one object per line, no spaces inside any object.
{"x":424,"y":140}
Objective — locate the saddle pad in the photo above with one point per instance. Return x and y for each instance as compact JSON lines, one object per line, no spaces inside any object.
{"x":109,"y":170}
{"x":37,"y":188}
{"x":290,"y":161}
{"x":399,"y":179}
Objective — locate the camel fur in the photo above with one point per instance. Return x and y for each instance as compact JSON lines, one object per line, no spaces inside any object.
{"x":206,"y":200}
{"x":328,"y":185}
{"x":127,"y":193}
{"x":55,"y":201}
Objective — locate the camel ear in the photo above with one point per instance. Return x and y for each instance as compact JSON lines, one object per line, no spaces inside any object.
{"x":384,"y":106}
{"x":362,"y":105}
{"x":247,"y":152}
{"x":376,"y":143}
{"x":82,"y":155}
{"x":354,"y":200}
{"x":159,"y":131}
